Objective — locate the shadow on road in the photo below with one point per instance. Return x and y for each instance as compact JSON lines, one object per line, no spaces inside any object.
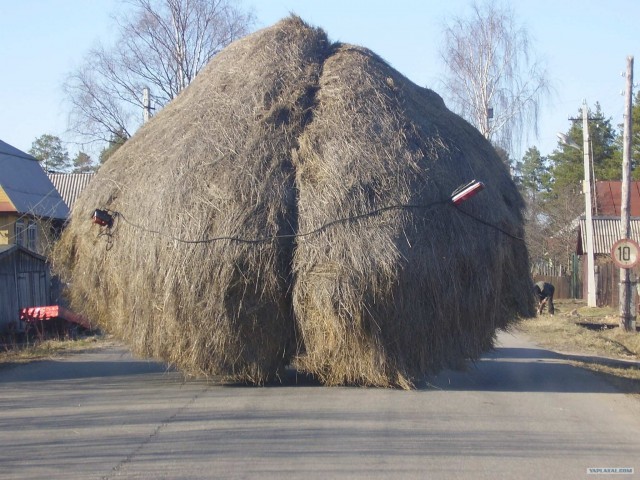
{"x":520,"y":369}
{"x":505,"y":369}
{"x":99,"y":364}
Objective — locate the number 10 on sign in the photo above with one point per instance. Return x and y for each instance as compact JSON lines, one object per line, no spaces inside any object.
{"x":625,"y":253}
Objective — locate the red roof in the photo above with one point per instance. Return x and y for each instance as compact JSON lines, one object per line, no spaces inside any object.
{"x":608,"y":195}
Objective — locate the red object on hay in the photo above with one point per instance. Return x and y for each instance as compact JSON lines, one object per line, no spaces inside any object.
{"x":467,"y":192}
{"x":50,"y":312}
{"x":102,"y":218}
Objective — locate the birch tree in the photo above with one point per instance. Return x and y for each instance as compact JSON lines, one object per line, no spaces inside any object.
{"x":491,"y":77}
{"x":162,"y":45}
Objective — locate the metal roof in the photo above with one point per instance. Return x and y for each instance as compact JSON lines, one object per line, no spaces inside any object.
{"x":606,"y":232}
{"x":608,"y":198}
{"x":26,"y":184}
{"x":70,"y":185}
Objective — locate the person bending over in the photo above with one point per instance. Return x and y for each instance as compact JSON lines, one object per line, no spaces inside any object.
{"x":544,"y":293}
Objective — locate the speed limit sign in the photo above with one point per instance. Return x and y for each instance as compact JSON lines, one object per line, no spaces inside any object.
{"x":625,"y":253}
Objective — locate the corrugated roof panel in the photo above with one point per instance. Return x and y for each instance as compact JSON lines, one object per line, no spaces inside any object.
{"x":606,"y":232}
{"x":70,"y":185}
{"x":27,"y":185}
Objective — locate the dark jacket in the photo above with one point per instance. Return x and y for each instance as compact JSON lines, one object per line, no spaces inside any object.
{"x":544,"y":290}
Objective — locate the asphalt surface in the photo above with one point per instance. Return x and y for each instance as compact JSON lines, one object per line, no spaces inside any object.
{"x":521,"y":412}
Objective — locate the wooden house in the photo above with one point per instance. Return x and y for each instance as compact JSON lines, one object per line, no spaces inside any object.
{"x":24,"y":282}
{"x":32,"y":211}
{"x":606,"y":232}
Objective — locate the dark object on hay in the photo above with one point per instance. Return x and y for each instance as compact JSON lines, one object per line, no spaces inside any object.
{"x":282,"y":134}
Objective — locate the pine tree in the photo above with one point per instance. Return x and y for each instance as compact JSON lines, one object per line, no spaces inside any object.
{"x":49,"y":151}
{"x":115,"y":143}
{"x":568,"y":161}
{"x":83,"y":163}
{"x":534,"y":172}
{"x":635,"y":140}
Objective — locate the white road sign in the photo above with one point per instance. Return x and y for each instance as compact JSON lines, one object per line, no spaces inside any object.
{"x":625,"y":253}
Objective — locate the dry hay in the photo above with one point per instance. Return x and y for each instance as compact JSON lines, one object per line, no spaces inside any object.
{"x":282,"y":134}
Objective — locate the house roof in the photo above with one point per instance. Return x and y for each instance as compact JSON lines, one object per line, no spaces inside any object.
{"x":8,"y":250}
{"x":606,"y":232}
{"x":27,"y":186}
{"x":608,"y":195}
{"x":70,"y":185}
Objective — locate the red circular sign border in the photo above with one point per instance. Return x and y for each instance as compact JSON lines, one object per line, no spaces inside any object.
{"x":625,"y":240}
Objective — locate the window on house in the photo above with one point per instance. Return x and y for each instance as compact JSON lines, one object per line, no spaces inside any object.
{"x":20,"y":229}
{"x":32,"y":236}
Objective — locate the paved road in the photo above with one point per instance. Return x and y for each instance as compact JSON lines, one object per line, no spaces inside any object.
{"x":521,"y":412}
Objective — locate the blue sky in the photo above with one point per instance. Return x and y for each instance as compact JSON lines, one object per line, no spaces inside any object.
{"x":584,"y":43}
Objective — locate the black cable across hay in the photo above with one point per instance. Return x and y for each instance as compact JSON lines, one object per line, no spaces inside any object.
{"x":281,"y":135}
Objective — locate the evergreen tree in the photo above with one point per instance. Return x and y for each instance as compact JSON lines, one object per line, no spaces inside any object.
{"x":568,"y":161}
{"x":83,"y":163}
{"x":533,"y":181}
{"x":49,"y":151}
{"x":635,"y":137}
{"x":534,"y":172}
{"x":635,"y":140}
{"x":115,"y":143}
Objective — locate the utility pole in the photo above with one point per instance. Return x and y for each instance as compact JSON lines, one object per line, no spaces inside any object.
{"x":146,"y":104}
{"x":627,"y":317}
{"x":591,"y":275}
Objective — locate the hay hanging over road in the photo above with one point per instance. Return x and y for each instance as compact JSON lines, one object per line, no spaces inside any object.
{"x":390,"y":297}
{"x":280,"y":135}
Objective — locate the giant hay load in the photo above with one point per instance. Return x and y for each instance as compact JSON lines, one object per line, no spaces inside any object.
{"x":292,"y":207}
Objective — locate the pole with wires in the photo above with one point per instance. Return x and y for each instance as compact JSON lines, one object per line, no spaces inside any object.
{"x":627,"y":317}
{"x":591,"y":276}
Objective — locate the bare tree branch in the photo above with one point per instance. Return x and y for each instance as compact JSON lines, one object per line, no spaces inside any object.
{"x":162,"y":45}
{"x":487,"y":57}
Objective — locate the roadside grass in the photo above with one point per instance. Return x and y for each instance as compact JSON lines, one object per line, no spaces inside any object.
{"x":13,"y":352}
{"x":590,"y":338}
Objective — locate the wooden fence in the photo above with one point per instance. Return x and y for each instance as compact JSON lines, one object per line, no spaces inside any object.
{"x":567,"y":280}
{"x":570,"y":284}
{"x":608,"y":285}
{"x":562,"y":285}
